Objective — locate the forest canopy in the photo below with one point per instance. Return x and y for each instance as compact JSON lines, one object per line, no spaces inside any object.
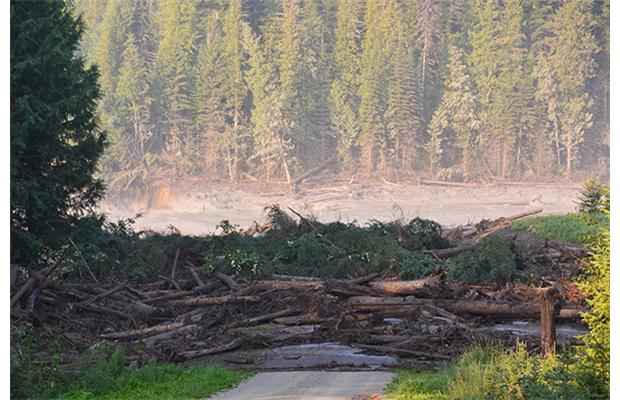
{"x":454,"y":90}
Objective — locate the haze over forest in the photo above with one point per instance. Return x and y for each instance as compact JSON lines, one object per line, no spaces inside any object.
{"x":454,"y":90}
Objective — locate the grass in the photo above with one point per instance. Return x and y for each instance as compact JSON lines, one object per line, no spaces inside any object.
{"x":485,"y":373}
{"x":566,"y":228}
{"x":411,"y":384}
{"x":160,"y":381}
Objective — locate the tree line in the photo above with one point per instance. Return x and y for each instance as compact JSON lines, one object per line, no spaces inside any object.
{"x":456,"y":90}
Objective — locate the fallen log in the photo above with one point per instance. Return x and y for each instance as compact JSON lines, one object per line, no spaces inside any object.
{"x":234,"y":344}
{"x":152,"y":341}
{"x":421,"y":287}
{"x":304,"y":319}
{"x":451,"y":252}
{"x":33,"y":281}
{"x":103,"y":310}
{"x":202,"y":301}
{"x":192,"y":270}
{"x":135,"y":333}
{"x":405,"y":352}
{"x":178,"y":294}
{"x":270,"y":316}
{"x":227,"y":280}
{"x":289,"y":285}
{"x":313,"y":171}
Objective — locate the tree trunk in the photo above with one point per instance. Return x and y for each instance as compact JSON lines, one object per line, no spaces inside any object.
{"x":549,"y":310}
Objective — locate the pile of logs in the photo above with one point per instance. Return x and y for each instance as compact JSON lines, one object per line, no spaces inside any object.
{"x":200,"y":315}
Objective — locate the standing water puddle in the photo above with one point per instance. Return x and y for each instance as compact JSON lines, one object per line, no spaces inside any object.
{"x":322,"y":355}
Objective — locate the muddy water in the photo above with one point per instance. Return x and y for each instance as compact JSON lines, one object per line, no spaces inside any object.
{"x":323,"y":355}
{"x":197,"y":210}
{"x":525,"y":329}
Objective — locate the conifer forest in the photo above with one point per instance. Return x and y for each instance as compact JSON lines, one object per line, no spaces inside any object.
{"x":460,"y":90}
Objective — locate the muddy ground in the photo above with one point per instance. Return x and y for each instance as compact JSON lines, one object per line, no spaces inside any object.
{"x":196,"y":209}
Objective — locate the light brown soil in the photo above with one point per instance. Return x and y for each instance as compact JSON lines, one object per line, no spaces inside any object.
{"x":198,"y":209}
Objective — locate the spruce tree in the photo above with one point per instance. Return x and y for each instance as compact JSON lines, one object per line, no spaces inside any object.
{"x":344,"y":99}
{"x":566,"y":62}
{"x":55,"y":138}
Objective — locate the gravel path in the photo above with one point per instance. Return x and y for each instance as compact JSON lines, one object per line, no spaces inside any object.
{"x":309,"y":385}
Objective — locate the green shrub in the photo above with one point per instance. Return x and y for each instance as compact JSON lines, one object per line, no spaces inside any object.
{"x":33,"y":377}
{"x":593,"y":198}
{"x":493,"y":260}
{"x":595,"y":284}
{"x":566,"y":228}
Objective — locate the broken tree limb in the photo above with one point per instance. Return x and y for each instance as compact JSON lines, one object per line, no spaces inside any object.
{"x":289,"y":285}
{"x":152,"y":341}
{"x":270,"y":316}
{"x":404,"y":352}
{"x":90,"y":272}
{"x":175,"y":295}
{"x":421,"y":287}
{"x":192,"y":270}
{"x":236,"y":343}
{"x":174,"y":264}
{"x":103,"y":310}
{"x":227,"y":280}
{"x":30,"y":283}
{"x":451,"y":252}
{"x":203,"y":301}
{"x":135,"y":333}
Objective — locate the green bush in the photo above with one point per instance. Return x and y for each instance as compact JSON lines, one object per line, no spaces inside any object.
{"x":494,"y":373}
{"x":593,"y":198}
{"x":566,"y":228}
{"x":33,"y":377}
{"x":493,"y":260}
{"x":595,"y":284}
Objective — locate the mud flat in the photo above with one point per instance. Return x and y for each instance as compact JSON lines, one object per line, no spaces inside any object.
{"x":198,"y":209}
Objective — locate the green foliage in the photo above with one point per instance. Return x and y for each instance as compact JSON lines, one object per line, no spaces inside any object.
{"x":593,"y":198}
{"x":493,"y":260}
{"x":418,"y":385}
{"x":268,"y":88}
{"x":31,"y":376}
{"x":55,"y":138}
{"x":566,"y":228}
{"x":110,"y":379}
{"x":595,"y":285}
{"x":497,"y":373}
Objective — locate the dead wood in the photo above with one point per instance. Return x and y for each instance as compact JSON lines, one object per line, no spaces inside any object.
{"x":192,"y":270}
{"x":289,"y":285}
{"x":404,"y":352}
{"x":425,"y":287}
{"x":134,"y":333}
{"x":234,"y":344}
{"x":174,"y":264}
{"x":90,"y":272}
{"x":183,"y":293}
{"x":304,"y":319}
{"x":227,"y":280}
{"x":202,"y":301}
{"x":153,"y":341}
{"x":270,"y":316}
{"x":103,"y":310}
{"x":313,"y":171}
{"x":30,"y":283}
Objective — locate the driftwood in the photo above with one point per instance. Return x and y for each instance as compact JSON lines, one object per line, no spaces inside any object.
{"x":234,"y":344}
{"x":203,"y":301}
{"x":184,"y":293}
{"x":422,"y":287}
{"x":304,"y":319}
{"x":134,"y":333}
{"x":289,"y":285}
{"x":270,"y":316}
{"x":227,"y":280}
{"x":153,"y":341}
{"x":30,"y":283}
{"x":406,"y":352}
{"x":192,"y":270}
{"x":313,"y":171}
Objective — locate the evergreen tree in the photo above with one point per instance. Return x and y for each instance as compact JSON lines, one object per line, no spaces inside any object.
{"x":131,"y":149}
{"x":174,"y":81}
{"x":344,"y":100}
{"x":210,"y":97}
{"x":55,"y":139}
{"x":373,"y":84}
{"x":404,"y":103}
{"x":457,"y":114}
{"x":565,"y":65}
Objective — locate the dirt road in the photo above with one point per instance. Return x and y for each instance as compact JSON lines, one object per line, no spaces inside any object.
{"x":198,"y":209}
{"x":309,"y":385}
